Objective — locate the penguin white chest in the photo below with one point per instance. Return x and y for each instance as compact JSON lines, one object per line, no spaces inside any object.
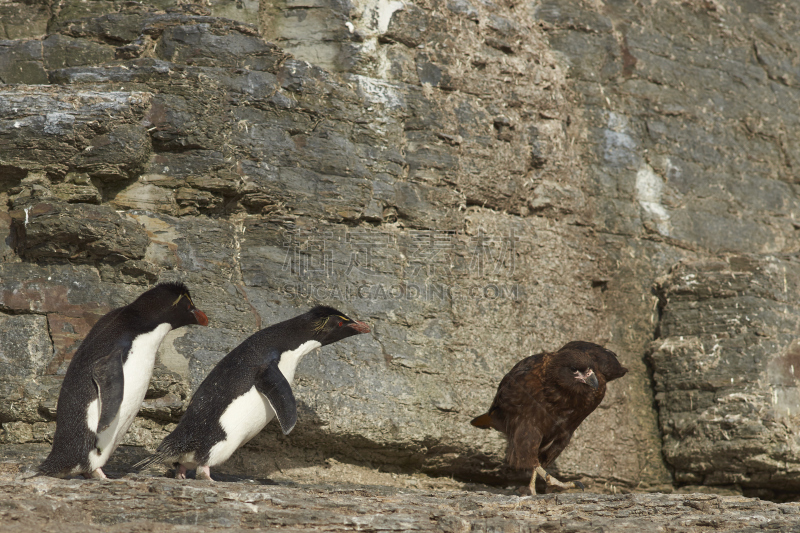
{"x":247,"y":415}
{"x":136,"y":373}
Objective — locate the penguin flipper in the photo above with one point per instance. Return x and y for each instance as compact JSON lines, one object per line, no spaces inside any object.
{"x":110,"y":382}
{"x":271,"y":382}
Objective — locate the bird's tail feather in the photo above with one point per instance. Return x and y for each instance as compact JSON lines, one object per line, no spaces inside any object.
{"x":484,"y":421}
{"x":52,"y":467}
{"x":147,"y":461}
{"x":169,"y":450}
{"x":46,"y":470}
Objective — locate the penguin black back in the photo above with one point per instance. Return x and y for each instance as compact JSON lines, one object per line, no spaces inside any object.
{"x":98,"y":381}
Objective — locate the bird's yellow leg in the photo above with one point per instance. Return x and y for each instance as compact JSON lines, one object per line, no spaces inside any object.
{"x":532,"y":485}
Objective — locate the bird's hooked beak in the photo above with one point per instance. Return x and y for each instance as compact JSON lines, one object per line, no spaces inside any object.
{"x":200,"y":316}
{"x":359,"y":326}
{"x":588,"y":377}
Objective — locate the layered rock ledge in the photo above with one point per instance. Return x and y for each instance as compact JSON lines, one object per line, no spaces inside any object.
{"x":140,"y":503}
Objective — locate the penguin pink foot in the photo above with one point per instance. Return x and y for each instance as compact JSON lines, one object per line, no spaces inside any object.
{"x":97,"y":473}
{"x":204,"y":473}
{"x":181,"y":472}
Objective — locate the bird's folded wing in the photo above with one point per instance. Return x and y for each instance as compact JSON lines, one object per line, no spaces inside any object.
{"x":110,"y":382}
{"x":271,"y":383}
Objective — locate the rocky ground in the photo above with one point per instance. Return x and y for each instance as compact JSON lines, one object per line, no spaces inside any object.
{"x":146,"y":503}
{"x":315,"y":498}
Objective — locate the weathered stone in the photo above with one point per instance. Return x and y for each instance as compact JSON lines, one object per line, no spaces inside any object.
{"x":119,"y":154}
{"x":463,"y":7}
{"x":77,"y":188}
{"x":148,"y":195}
{"x":59,"y":125}
{"x":6,"y":250}
{"x":24,"y":20}
{"x":173,"y":505}
{"x":78,"y":21}
{"x":213,"y":44}
{"x":59,"y":51}
{"x":25,"y":349}
{"x":21,"y":62}
{"x":724,"y":372}
{"x":81,"y":233}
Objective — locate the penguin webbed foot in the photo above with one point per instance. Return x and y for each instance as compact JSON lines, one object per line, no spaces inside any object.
{"x":204,"y":473}
{"x":97,"y":473}
{"x":180,"y":471}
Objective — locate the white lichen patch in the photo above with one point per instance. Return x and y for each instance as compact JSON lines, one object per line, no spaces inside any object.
{"x":649,"y":188}
{"x":376,"y":15}
{"x":376,"y":91}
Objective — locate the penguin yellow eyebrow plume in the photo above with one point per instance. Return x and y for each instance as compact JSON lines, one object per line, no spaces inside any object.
{"x":320,"y":325}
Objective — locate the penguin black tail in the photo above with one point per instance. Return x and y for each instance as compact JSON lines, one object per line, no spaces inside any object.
{"x":51,"y":467}
{"x":147,"y":461}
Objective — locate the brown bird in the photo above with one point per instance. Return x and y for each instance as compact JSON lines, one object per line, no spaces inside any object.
{"x":544,"y":398}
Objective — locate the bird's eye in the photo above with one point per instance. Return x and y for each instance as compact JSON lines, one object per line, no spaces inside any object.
{"x":341,"y":323}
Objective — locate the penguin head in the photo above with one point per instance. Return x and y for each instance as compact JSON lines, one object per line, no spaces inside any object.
{"x":329,"y":325}
{"x":171,"y":302}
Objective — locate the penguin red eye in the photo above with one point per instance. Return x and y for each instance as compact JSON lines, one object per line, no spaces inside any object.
{"x":341,"y":323}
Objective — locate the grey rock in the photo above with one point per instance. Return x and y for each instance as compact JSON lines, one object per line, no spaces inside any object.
{"x":724,"y":371}
{"x":205,"y":44}
{"x":85,"y":233}
{"x":411,"y":25}
{"x":21,"y":62}
{"x":170,"y":505}
{"x":117,"y":155}
{"x":60,"y":126}
{"x":463,"y":7}
{"x":59,"y":51}
{"x":26,"y":349}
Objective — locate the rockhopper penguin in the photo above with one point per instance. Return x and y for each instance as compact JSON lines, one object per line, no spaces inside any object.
{"x":248,"y":388}
{"x":108,"y":377}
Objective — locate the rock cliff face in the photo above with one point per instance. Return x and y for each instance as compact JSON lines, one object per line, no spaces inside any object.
{"x":478,"y":181}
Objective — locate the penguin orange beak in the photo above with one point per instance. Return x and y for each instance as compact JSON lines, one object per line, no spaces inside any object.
{"x":359,"y":326}
{"x":200,"y":316}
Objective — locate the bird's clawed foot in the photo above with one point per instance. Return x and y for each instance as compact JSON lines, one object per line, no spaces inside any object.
{"x":180,"y":473}
{"x":204,"y":473}
{"x":552,"y":482}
